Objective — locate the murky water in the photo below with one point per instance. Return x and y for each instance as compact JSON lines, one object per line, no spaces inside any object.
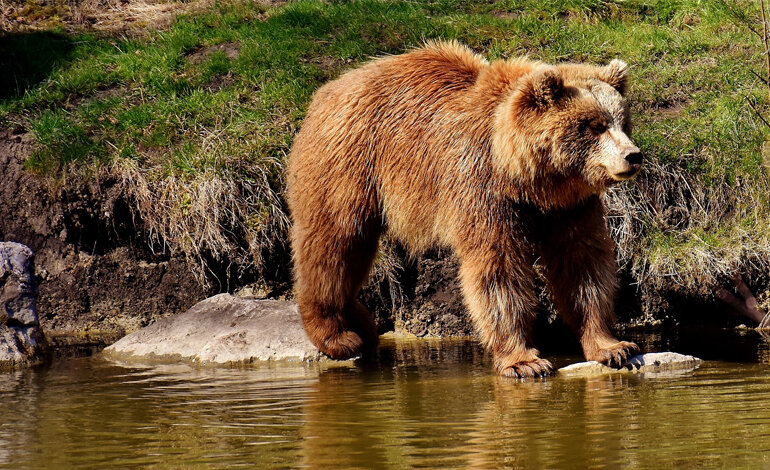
{"x":421,"y":404}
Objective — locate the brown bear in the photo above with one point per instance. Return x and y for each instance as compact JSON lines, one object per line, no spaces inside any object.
{"x":504,"y":162}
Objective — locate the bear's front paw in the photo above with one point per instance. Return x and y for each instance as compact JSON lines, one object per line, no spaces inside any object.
{"x":615,"y":355}
{"x":527,"y":369}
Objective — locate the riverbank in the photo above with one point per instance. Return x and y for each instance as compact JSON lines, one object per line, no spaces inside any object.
{"x":147,"y":164}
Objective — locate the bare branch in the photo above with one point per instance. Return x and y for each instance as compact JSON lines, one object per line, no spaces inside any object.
{"x":760,"y":78}
{"x":764,"y":39}
{"x":740,"y":16}
{"x":745,"y":303}
{"x":758,"y":113}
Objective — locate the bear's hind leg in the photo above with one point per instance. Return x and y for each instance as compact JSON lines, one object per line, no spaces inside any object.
{"x":327,"y":330}
{"x":329,"y":272}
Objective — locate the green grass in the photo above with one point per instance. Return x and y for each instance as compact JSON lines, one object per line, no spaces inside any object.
{"x":166,"y":110}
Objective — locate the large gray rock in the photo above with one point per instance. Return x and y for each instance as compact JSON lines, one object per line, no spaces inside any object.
{"x":22,"y":343}
{"x":225,"y":330}
{"x":650,"y":363}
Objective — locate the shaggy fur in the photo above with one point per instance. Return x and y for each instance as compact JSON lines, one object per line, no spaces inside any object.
{"x":502,"y":162}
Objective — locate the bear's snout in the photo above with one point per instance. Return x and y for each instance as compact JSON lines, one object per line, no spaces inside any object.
{"x":624,"y":160}
{"x":634,"y":157}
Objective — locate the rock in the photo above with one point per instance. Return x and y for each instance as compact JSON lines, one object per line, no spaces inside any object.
{"x":588,"y":369}
{"x":22,"y":343}
{"x":650,"y":363}
{"x":663,"y":361}
{"x":222,"y":330}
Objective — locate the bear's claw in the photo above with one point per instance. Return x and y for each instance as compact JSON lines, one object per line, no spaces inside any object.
{"x":616,"y":355}
{"x":528,"y":369}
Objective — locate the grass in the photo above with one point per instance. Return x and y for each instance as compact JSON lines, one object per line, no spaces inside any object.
{"x":197,"y":118}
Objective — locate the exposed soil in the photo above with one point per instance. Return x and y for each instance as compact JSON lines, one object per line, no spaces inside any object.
{"x":331,"y":66}
{"x":219,"y":82}
{"x":131,"y":17}
{"x":435,"y":304}
{"x":97,"y":277}
{"x":127,"y":17}
{"x":429,"y":301}
{"x":506,"y":15}
{"x":672,"y":107}
{"x":230,"y":49}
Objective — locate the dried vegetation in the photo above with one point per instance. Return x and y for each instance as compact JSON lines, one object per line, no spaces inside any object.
{"x":132,"y":17}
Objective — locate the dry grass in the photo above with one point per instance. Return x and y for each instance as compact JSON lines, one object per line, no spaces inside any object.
{"x":133,"y":16}
{"x":387,"y":269}
{"x":672,"y":227}
{"x":108,"y":16}
{"x":210,"y":217}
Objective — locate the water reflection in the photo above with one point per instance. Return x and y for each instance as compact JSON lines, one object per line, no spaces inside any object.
{"x":763,"y":351}
{"x":708,"y":418}
{"x":432,"y":404}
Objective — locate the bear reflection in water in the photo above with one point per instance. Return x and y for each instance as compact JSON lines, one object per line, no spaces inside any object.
{"x":433,"y":406}
{"x":503,"y":162}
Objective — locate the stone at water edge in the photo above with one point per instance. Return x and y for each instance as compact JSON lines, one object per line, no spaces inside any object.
{"x":223,"y":329}
{"x":640,"y":364}
{"x":22,"y":343}
{"x":663,"y":361}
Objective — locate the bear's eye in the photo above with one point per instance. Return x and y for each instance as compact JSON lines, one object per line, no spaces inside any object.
{"x":597,"y":127}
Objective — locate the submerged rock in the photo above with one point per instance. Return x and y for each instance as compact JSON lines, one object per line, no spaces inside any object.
{"x":22,"y":343}
{"x":225,"y":330}
{"x":650,"y":363}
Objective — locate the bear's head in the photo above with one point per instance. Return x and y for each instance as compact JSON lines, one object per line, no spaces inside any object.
{"x":567,"y":125}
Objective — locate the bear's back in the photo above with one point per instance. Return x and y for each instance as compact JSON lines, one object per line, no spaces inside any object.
{"x":395,"y":90}
{"x":410,"y":132}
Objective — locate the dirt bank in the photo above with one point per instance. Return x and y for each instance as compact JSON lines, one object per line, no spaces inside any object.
{"x":98,"y":278}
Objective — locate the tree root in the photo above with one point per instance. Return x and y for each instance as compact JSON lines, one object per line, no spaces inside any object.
{"x":744,"y":303}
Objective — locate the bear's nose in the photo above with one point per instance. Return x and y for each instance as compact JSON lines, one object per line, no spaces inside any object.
{"x":634,"y":156}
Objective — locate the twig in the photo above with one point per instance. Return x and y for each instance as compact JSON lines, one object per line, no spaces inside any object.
{"x":742,"y":19}
{"x":748,"y":97}
{"x":760,"y":77}
{"x":764,"y":38}
{"x":756,"y":111}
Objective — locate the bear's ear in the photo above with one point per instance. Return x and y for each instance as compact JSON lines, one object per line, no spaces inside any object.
{"x":542,"y":88}
{"x":616,"y":75}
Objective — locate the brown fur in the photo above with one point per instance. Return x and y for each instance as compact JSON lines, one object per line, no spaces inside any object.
{"x":502,"y":162}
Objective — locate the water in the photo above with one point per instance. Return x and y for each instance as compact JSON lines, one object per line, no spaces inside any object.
{"x":428,"y":404}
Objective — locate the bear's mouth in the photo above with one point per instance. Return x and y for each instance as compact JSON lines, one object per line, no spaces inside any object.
{"x":628,"y":174}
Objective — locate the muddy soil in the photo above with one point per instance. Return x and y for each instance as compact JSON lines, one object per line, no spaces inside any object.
{"x":98,"y":278}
